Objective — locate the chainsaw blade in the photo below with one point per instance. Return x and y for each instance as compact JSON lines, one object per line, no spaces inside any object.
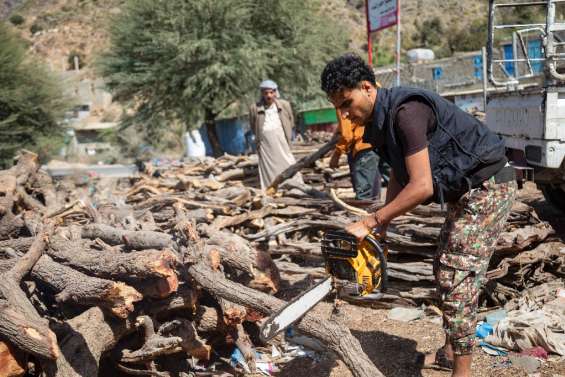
{"x":294,"y":310}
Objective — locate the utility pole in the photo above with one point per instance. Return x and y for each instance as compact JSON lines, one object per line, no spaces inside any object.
{"x":398,"y":42}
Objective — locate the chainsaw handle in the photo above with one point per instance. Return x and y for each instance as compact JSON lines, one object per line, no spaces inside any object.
{"x":382,"y":259}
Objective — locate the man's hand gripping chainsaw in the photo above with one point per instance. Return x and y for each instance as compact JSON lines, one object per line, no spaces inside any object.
{"x":357,"y":271}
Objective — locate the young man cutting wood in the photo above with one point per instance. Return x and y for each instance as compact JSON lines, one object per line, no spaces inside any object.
{"x":437,"y":153}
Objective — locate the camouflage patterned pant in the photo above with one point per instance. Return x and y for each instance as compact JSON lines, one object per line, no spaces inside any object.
{"x":466,"y":244}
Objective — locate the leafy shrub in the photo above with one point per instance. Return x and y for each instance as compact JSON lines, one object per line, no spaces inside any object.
{"x":17,"y":19}
{"x":71,"y":60}
{"x":35,"y":28}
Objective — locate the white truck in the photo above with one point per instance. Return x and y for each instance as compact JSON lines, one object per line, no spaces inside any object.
{"x":526,"y":105}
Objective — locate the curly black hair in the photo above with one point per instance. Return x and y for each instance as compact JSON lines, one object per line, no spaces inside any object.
{"x":346,"y":72}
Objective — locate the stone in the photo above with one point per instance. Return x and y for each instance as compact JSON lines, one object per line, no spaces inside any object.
{"x":405,"y":314}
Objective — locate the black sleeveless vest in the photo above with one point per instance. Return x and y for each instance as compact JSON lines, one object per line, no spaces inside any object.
{"x":459,"y":145}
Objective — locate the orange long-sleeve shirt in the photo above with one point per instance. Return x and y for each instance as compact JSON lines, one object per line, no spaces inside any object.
{"x":351,"y":138}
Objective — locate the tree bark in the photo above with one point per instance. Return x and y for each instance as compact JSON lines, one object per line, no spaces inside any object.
{"x":74,"y":286}
{"x":82,"y":340}
{"x":20,"y":324}
{"x":27,"y":332}
{"x":237,"y":253}
{"x":152,"y":272}
{"x":138,"y":240}
{"x":20,"y":245}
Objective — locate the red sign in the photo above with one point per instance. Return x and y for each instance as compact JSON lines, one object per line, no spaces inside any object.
{"x":382,"y":14}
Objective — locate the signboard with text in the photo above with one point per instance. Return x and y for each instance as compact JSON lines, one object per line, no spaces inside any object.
{"x":382,"y":14}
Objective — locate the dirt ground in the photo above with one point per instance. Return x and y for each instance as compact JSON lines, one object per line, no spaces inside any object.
{"x":393,"y":346}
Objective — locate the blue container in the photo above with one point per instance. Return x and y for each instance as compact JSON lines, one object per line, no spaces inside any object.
{"x":231,"y":135}
{"x":207,"y":144}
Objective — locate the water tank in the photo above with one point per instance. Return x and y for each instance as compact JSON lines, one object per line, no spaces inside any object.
{"x":420,"y":55}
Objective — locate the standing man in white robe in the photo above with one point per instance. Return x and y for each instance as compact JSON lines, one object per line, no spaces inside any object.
{"x":271,"y":121}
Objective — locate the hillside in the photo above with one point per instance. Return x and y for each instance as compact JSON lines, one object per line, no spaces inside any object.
{"x":65,"y":27}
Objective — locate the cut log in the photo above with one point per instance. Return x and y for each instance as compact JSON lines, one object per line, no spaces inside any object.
{"x":232,"y":314}
{"x":208,"y":320}
{"x":21,"y":245}
{"x":201,"y":215}
{"x":523,"y":238}
{"x":20,"y":324}
{"x":184,"y":299}
{"x":227,"y":221}
{"x":237,"y":174}
{"x":293,"y":226}
{"x":168,"y":200}
{"x":74,"y":286}
{"x":333,"y":334}
{"x":138,"y":240}
{"x":237,"y":253}
{"x":151,"y":272}
{"x":27,"y":332}
{"x":82,"y":340}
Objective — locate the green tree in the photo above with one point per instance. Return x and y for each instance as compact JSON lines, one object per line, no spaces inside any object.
{"x":30,"y":101}
{"x":188,"y":60}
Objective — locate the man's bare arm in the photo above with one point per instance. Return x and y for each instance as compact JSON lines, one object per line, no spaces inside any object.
{"x":392,"y":189}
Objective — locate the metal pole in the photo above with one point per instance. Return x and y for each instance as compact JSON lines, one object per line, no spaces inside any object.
{"x":515,"y":53}
{"x":485,"y":79}
{"x":369,"y":42}
{"x":397,"y":42}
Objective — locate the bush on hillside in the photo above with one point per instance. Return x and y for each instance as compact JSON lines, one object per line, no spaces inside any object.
{"x":35,"y":28}
{"x":17,"y":19}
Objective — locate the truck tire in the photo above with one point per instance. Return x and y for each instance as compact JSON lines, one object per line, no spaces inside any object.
{"x":555,"y":195}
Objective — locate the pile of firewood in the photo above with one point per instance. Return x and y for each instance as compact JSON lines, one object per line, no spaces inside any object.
{"x":162,"y":274}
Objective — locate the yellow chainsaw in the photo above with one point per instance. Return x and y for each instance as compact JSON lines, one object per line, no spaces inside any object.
{"x":357,"y":271}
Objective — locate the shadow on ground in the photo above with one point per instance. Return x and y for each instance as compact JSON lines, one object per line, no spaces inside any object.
{"x":548,"y":212}
{"x":393,"y":355}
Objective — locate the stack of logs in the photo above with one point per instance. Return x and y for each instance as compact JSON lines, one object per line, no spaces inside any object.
{"x":162,"y":273}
